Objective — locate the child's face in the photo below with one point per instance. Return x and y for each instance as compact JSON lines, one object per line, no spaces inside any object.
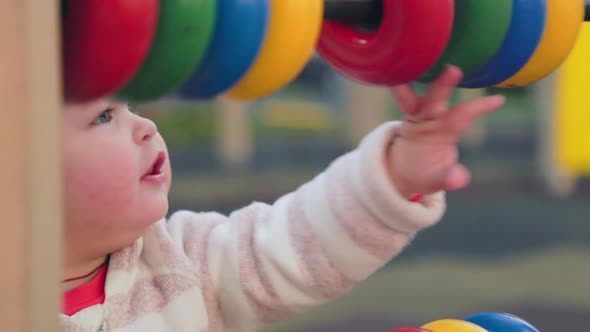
{"x":116,"y":177}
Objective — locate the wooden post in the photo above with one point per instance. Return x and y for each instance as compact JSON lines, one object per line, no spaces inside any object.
{"x":235,"y":139}
{"x":30,"y":170}
{"x":368,"y":107}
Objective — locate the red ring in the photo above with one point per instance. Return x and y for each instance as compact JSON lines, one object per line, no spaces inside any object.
{"x":104,"y":43}
{"x":410,"y":39}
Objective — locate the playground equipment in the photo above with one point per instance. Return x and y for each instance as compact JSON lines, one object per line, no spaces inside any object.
{"x":480,"y":322}
{"x":564,"y":113}
{"x":248,"y":50}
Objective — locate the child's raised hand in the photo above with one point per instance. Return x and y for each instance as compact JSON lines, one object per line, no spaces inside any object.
{"x":424,"y":158}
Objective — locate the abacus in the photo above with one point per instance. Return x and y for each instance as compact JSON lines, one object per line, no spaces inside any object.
{"x":247,"y":50}
{"x":479,"y":322}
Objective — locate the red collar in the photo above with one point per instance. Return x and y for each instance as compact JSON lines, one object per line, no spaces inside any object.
{"x":87,"y":295}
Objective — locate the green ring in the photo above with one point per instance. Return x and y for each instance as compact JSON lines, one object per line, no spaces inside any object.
{"x":183,"y":35}
{"x":479,"y":31}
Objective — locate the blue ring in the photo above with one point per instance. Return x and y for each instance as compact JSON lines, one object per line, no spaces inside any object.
{"x":500,"y":322}
{"x":523,"y":37}
{"x":239,"y":33}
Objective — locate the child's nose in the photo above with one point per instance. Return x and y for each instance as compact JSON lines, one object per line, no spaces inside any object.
{"x":145,"y":130}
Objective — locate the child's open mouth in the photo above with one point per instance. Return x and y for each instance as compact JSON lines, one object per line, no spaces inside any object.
{"x":155,"y":173}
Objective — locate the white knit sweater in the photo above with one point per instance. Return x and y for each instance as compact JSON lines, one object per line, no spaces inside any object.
{"x":263,"y":263}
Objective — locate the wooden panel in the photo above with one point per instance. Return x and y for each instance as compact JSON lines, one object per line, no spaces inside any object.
{"x":30,"y":179}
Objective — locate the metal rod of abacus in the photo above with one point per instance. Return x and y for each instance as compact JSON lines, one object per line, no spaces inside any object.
{"x":360,"y":12}
{"x":369,"y":12}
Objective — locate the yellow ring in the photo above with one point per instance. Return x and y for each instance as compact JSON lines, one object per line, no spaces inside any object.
{"x":453,"y":325}
{"x":293,"y":32}
{"x":564,"y":20}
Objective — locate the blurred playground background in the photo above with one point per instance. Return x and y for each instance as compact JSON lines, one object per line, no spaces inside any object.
{"x":517,"y":240}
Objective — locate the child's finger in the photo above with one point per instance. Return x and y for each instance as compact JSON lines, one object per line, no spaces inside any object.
{"x":457,"y":177}
{"x":451,"y":126}
{"x":471,"y":109}
{"x":462,"y":115}
{"x":413,"y":129}
{"x":445,"y":177}
{"x":406,"y":98}
{"x":436,"y":100}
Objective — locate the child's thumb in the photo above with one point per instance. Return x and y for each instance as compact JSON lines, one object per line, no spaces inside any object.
{"x":447,"y":178}
{"x":457,"y":177}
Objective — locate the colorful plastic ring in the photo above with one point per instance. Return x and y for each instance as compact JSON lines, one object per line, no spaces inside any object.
{"x":564,"y":22}
{"x":292,"y":34}
{"x":239,"y":33}
{"x":185,"y":28}
{"x":101,"y":55}
{"x":500,"y":322}
{"x":479,"y":31}
{"x":522,"y":39}
{"x":410,"y":39}
{"x":453,"y":325}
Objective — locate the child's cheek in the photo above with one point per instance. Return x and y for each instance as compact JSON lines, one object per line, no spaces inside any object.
{"x":103,"y":186}
{"x":114,"y":190}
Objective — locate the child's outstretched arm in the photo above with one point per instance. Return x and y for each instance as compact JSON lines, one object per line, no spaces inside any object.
{"x":266,"y":262}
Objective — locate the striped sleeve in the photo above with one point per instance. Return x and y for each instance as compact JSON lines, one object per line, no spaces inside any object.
{"x":268,"y":262}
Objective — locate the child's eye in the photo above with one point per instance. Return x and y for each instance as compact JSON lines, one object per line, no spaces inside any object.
{"x":104,"y":117}
{"x":131,"y":108}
